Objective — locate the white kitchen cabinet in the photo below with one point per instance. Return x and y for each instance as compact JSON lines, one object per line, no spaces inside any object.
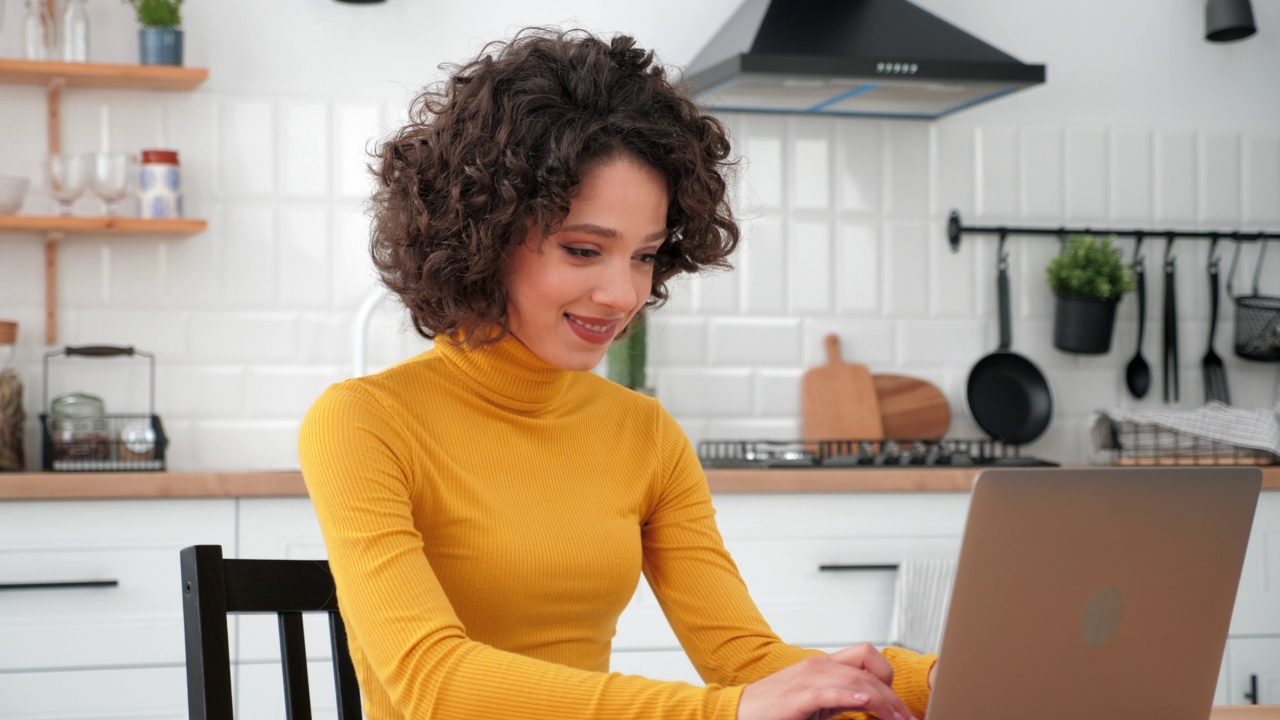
{"x":779,"y":543}
{"x":71,"y":652}
{"x":1253,"y":665}
{"x":1257,"y":610}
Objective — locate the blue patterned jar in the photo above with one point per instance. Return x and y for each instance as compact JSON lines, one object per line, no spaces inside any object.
{"x":160,"y":185}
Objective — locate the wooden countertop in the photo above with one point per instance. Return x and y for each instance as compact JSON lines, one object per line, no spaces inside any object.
{"x":54,"y":486}
{"x":1245,"y":712}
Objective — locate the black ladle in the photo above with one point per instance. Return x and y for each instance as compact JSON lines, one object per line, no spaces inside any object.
{"x":1137,"y":374}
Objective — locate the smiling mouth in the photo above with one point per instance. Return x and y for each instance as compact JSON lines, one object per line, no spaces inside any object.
{"x":589,"y":326}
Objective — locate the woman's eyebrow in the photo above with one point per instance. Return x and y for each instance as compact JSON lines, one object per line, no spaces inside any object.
{"x":610,"y":233}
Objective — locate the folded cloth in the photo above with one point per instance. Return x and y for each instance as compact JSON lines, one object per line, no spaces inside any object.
{"x":1203,"y":431}
{"x":921,"y":598}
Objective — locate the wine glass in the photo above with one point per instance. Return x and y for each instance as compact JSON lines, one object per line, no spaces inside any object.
{"x":112,"y":172}
{"x":67,"y":176}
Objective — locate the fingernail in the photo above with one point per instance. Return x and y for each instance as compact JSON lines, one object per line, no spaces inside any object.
{"x":898,"y":716}
{"x":861,"y":699}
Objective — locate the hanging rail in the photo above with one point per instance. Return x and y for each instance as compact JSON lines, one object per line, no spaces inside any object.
{"x":955,"y":229}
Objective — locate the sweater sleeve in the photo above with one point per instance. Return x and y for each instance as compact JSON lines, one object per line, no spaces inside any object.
{"x":704,"y":597}
{"x":357,"y":463}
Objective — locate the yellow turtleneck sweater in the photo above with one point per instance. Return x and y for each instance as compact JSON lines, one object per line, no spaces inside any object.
{"x":487,"y":518}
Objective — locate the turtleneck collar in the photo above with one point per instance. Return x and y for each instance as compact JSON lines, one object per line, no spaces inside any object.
{"x":506,"y":373}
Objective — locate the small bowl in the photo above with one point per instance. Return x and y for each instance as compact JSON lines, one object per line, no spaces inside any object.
{"x":13,"y":190}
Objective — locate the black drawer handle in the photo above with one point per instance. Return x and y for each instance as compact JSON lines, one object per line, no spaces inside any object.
{"x":1252,"y":695}
{"x":858,"y":568}
{"x":60,"y":585}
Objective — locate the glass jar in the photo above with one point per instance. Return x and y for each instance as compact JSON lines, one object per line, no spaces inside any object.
{"x":78,"y":426}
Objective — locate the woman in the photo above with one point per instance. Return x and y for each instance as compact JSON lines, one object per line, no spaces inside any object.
{"x":489,"y":505}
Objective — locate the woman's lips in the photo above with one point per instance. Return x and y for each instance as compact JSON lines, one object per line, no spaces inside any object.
{"x":593,"y":330}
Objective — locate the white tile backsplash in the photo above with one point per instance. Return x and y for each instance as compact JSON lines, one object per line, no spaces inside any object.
{"x":1261,"y":203}
{"x":997,"y":179}
{"x":843,"y":224}
{"x":1087,"y":176}
{"x":1219,"y":165}
{"x":304,"y":149}
{"x":1041,"y":157}
{"x":248,"y":148}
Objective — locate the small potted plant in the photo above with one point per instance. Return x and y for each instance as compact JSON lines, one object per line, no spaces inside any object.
{"x":160,"y":37}
{"x":626,"y":358}
{"x":1087,"y":278}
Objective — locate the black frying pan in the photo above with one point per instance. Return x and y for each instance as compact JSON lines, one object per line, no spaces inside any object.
{"x":1008,"y":396}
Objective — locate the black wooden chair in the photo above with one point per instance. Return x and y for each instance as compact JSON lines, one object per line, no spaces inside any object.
{"x":213,"y":587}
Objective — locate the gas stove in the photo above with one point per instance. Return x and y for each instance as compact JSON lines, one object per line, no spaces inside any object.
{"x":862,"y":454}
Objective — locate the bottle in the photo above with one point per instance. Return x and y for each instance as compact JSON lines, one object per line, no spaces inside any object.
{"x":74,"y":30}
{"x":38,"y":32}
{"x":12,"y":416}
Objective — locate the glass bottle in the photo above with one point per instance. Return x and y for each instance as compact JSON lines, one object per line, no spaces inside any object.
{"x":74,"y":31}
{"x":37,"y":32}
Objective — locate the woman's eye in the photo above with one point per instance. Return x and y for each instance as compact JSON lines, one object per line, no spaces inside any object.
{"x":580,"y":252}
{"x":647,"y":258}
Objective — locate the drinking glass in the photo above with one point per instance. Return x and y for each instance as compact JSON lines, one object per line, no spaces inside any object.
{"x":39,"y":34}
{"x":112,"y":173}
{"x":67,"y":176}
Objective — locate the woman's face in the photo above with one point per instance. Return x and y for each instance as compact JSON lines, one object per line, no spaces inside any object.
{"x":570,"y":293}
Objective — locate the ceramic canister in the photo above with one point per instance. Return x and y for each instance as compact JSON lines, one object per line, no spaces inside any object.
{"x":160,"y":185}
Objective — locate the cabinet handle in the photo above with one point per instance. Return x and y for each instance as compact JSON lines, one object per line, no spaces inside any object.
{"x":858,"y":568}
{"x":1252,"y":695}
{"x":59,"y":585}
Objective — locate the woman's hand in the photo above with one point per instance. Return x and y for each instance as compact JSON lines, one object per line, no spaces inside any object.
{"x":856,"y":678}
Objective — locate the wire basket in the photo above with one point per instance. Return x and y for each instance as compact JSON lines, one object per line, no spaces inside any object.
{"x":129,"y":442}
{"x":1257,"y":333}
{"x":1135,"y":443}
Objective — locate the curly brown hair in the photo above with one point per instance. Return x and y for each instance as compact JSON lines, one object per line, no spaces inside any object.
{"x":504,"y":143}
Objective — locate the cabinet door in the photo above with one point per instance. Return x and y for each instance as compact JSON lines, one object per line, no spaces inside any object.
{"x":279,"y":529}
{"x":1253,"y":666}
{"x":259,"y":691}
{"x":135,"y":544}
{"x":1257,"y":610}
{"x":151,"y":693}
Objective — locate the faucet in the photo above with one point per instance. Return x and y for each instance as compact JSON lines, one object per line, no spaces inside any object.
{"x":361,"y":327}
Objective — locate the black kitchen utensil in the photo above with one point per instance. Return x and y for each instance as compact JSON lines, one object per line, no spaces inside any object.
{"x":1215,"y":374}
{"x":1170,"y":324}
{"x":1137,"y":374}
{"x":1008,"y":396}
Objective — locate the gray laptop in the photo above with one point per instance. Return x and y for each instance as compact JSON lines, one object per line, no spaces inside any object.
{"x":1101,"y":593}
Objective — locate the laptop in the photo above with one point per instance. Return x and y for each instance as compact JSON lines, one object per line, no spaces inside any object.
{"x":1101,"y":593}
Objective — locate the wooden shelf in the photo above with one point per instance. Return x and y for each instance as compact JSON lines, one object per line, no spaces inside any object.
{"x":72,"y":225}
{"x":98,"y":75}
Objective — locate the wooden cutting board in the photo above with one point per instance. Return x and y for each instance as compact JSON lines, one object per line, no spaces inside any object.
{"x":838,"y":400}
{"x":911,"y":408}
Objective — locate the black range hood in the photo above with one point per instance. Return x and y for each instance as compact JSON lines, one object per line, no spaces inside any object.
{"x":885,"y":58}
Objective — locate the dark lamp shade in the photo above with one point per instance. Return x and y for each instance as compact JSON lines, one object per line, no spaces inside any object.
{"x":1227,"y":20}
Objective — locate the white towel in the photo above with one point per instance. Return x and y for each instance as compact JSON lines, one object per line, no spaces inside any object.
{"x":921,"y":598}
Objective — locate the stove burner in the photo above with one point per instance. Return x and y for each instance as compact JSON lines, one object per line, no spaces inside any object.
{"x":860,"y":453}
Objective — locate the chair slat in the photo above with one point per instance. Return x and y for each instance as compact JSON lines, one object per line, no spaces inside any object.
{"x":293,"y":663}
{"x":214,"y":587}
{"x":344,"y":672}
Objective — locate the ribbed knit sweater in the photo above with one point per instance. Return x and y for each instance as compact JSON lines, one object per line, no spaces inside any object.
{"x":487,"y":518}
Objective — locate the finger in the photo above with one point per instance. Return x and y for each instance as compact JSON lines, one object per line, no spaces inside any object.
{"x":882,"y":700}
{"x":866,"y":657}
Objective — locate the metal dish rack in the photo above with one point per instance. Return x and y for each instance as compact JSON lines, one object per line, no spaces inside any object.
{"x":113,"y":452}
{"x":1135,"y":443}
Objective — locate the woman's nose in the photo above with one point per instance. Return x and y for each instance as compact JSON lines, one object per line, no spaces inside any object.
{"x":615,"y":288}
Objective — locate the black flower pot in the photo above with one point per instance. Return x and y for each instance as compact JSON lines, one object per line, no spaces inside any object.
{"x":1083,"y":325}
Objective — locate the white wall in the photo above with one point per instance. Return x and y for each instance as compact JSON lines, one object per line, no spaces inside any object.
{"x":1141,"y":123}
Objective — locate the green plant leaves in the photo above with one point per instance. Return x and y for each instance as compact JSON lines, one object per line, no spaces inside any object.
{"x":158,"y":13}
{"x":1090,"y":266}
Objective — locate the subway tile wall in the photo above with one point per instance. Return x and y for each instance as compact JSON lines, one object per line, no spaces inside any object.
{"x":843,"y":231}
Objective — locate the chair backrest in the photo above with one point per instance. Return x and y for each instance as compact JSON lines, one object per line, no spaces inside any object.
{"x":213,"y":588}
